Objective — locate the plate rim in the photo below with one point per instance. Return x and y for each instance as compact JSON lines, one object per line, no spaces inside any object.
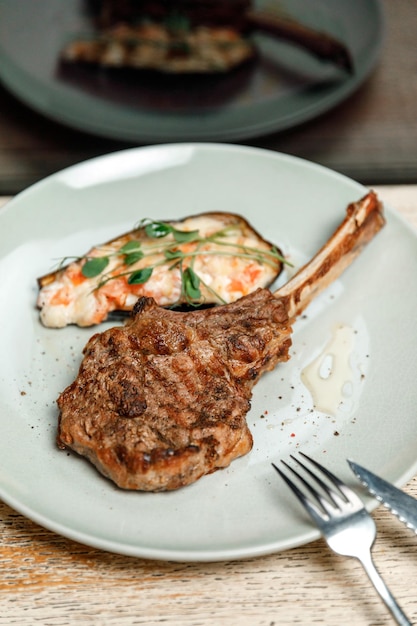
{"x":156,"y":553}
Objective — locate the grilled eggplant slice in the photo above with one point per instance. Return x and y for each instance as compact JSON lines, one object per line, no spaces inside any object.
{"x":190,"y":36}
{"x":202,"y":50}
{"x":202,"y":260}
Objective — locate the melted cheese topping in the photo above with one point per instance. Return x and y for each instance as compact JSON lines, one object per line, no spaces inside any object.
{"x":71,"y":298}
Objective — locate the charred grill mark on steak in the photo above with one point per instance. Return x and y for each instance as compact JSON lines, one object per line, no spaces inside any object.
{"x":163,"y":400}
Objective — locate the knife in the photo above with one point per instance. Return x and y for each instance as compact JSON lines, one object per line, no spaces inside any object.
{"x":399,"y":503}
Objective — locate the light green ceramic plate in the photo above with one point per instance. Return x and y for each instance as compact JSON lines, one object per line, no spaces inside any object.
{"x":285,"y":88}
{"x":245,"y":510}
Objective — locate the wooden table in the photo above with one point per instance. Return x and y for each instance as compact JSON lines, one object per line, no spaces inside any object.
{"x":371,"y":137}
{"x":52,"y":581}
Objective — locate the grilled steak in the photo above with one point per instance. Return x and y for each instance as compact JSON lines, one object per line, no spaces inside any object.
{"x":163,"y":400}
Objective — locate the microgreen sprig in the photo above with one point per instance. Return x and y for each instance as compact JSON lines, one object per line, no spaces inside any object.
{"x":169,"y":247}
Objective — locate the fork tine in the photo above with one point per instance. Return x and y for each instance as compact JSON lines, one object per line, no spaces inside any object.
{"x":348,"y":494}
{"x":334,"y":479}
{"x":329,"y":492}
{"x":310,"y":507}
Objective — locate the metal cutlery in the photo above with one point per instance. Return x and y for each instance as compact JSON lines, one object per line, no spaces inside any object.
{"x":342,"y":519}
{"x":399,"y":503}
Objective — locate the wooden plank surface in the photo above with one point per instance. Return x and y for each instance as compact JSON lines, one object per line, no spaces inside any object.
{"x":49,"y":580}
{"x":371,"y":137}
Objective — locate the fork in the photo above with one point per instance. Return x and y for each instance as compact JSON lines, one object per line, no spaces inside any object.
{"x":343,"y":521}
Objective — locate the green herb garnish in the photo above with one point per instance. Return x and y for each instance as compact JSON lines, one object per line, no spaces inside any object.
{"x":95,"y":266}
{"x":169,"y":248}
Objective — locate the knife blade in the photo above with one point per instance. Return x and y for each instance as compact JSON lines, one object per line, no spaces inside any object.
{"x":399,"y":503}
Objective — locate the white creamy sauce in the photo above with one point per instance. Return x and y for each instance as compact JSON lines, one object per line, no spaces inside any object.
{"x":329,"y":377}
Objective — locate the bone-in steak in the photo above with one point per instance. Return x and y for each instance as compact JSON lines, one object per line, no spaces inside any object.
{"x":162,"y":400}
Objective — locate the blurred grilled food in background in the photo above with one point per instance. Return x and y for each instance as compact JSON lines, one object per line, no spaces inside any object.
{"x":189,"y":36}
